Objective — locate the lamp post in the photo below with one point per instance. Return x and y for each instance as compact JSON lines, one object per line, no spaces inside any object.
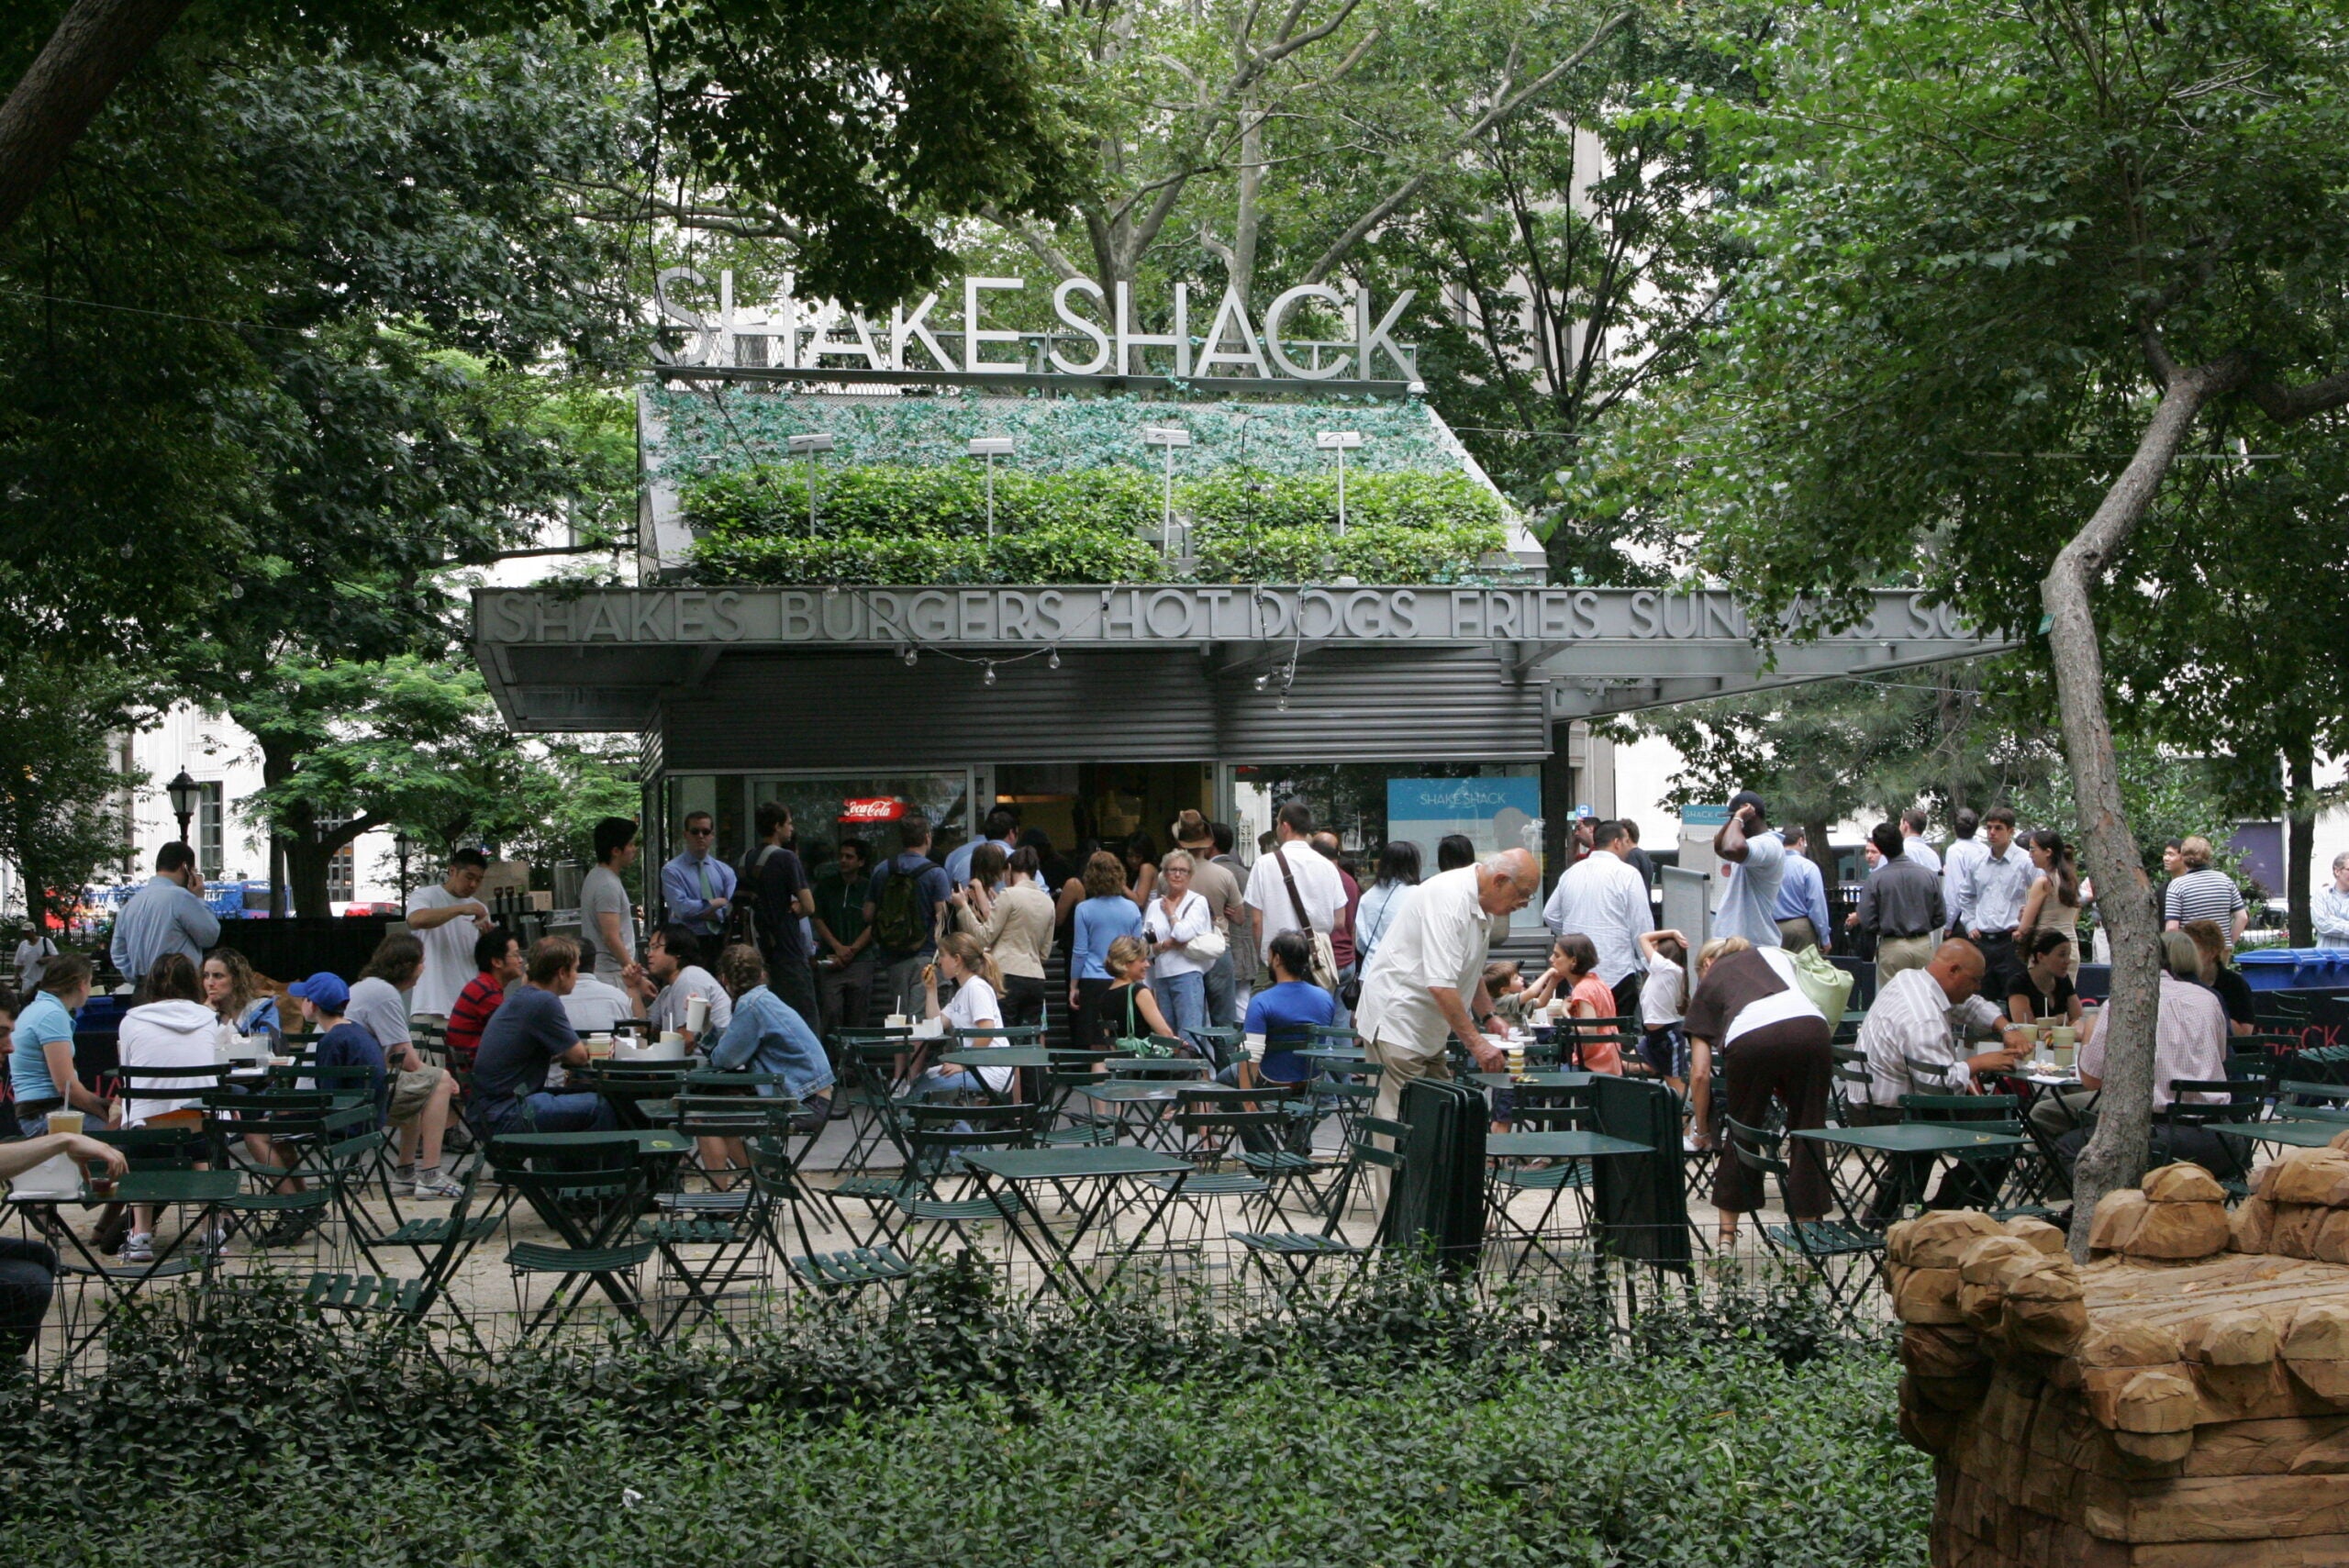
{"x":1167,"y":438}
{"x":183,"y":792}
{"x":402,"y":845}
{"x":1341,"y":442}
{"x":808,"y":447}
{"x":991,"y":447}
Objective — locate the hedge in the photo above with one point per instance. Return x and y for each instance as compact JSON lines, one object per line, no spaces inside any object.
{"x":887,"y":523}
{"x":1416,"y":1425}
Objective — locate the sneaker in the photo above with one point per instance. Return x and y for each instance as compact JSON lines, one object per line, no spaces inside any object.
{"x":139,"y":1248}
{"x":434,"y":1185}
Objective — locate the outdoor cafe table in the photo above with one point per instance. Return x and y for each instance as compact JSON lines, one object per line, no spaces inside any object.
{"x":1020,"y":1170}
{"x":2291,"y":1132}
{"x":1020,"y":1058}
{"x":203,"y":1190}
{"x":1910,"y":1146}
{"x":1562,"y":1146}
{"x":640,"y":1096}
{"x":1139,"y":1104}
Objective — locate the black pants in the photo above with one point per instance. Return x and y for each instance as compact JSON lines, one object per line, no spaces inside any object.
{"x":1023,"y":1000}
{"x":1791,"y":1060}
{"x":1085,"y":1023}
{"x":1627,"y":996}
{"x":789,"y":977}
{"x":1999,"y":961}
{"x":27,"y":1277}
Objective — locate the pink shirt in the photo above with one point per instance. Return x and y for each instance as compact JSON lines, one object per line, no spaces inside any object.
{"x":1593,"y":997}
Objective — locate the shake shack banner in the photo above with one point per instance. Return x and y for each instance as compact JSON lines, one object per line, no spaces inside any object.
{"x":1098,"y":325}
{"x":1157,"y":614}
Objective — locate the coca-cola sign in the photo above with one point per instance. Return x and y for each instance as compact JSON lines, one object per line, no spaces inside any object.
{"x":882,"y":809}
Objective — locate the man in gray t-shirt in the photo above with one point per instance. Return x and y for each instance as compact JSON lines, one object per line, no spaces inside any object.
{"x":607,"y":917}
{"x":381,"y":1008}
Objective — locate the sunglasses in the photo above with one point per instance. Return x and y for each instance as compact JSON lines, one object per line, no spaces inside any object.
{"x":699,"y":832}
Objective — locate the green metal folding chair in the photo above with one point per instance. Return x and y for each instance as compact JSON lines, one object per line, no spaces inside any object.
{"x":1825,"y":1245}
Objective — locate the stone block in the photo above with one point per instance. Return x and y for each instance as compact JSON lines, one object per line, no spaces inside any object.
{"x":1935,"y":1240}
{"x":2312,"y":1175}
{"x":1927,"y":1295}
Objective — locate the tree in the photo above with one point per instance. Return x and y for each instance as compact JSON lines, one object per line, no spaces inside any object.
{"x":1997,"y":292}
{"x":58,"y":825}
{"x":1951,"y":735}
{"x":866,"y":121}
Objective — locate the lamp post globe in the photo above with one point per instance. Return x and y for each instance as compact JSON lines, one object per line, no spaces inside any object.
{"x":183,"y":792}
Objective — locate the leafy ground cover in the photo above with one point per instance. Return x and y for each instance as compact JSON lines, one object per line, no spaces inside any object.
{"x":1417,"y":1427}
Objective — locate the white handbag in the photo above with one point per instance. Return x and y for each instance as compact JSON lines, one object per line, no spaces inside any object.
{"x":1208,"y":946}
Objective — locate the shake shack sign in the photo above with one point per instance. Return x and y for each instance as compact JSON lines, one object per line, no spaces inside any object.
{"x":1150,"y":613}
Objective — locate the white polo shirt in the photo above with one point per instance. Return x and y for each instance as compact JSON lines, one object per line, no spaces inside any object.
{"x":1437,"y":939}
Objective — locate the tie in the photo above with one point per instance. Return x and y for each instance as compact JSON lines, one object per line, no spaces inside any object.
{"x":701,"y":870}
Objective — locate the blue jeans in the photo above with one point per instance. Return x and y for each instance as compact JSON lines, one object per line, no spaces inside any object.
{"x":1184,"y":999}
{"x":560,"y":1113}
{"x":1223,"y":994}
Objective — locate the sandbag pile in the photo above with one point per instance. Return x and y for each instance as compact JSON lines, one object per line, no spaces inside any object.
{"x":2182,"y":1399}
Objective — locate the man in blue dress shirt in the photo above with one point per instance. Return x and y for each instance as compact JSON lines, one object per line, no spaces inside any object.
{"x":1802,"y":896}
{"x":698,"y":886}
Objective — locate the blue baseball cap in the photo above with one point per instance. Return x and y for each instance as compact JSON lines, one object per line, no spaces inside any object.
{"x":327,"y":990}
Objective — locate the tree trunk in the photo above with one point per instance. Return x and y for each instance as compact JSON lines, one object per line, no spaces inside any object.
{"x":308,"y":859}
{"x":95,"y":45}
{"x":2300,"y":840}
{"x":2115,"y":1156}
{"x":280,"y":905}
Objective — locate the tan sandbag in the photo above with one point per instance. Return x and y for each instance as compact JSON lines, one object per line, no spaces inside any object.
{"x":2041,"y":1236}
{"x":2332,"y":1243}
{"x":1956,"y":1394}
{"x":1925,"y":1427}
{"x":2175,"y":1232}
{"x":2234,"y":1339}
{"x":2293,"y":1234}
{"x":2118,"y":1215}
{"x":1931,"y":1352}
{"x":2250,"y":1224}
{"x":1896,"y":1242}
{"x":2155,"y":1448}
{"x":1986,"y":1260}
{"x":2312,"y":1175}
{"x":1927,"y":1295}
{"x":1935,"y":1240}
{"x":2129,"y":1341}
{"x":2155,"y":1401}
{"x":2339,"y":1140}
{"x":2262,"y":1179}
{"x":2182,"y":1183}
{"x":2320,"y":1331}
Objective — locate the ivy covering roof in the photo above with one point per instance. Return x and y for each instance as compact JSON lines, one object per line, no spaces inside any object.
{"x":701,"y":433}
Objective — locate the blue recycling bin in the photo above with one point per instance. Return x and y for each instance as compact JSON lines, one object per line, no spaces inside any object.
{"x":2294,"y":969}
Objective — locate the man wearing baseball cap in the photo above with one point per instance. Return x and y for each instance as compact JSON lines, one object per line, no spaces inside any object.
{"x":1749,"y":907}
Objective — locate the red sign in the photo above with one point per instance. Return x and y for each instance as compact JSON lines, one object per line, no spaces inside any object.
{"x":885,"y":809}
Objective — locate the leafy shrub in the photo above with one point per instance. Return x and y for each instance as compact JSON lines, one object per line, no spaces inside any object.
{"x":895,"y":524}
{"x":1418,"y":1424}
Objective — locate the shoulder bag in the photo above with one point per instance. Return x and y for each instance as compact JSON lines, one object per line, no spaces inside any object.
{"x":1325,"y":957}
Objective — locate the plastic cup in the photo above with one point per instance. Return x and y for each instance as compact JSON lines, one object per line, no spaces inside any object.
{"x":100,"y":1178}
{"x":696,"y":1014}
{"x":65,"y":1121}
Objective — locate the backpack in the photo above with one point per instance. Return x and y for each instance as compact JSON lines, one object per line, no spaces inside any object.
{"x":897,"y":923}
{"x":749,"y":918}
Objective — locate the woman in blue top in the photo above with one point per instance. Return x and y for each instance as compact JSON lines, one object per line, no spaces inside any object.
{"x":231,"y":992}
{"x":766,"y":1035}
{"x":1106,"y":915}
{"x":1282,"y":1015}
{"x":1398,"y":873}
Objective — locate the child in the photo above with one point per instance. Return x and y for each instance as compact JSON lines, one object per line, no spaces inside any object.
{"x":1662,"y":997}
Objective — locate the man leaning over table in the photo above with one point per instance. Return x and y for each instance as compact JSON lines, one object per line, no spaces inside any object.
{"x":1426,"y":981}
{"x":1915,"y":1039}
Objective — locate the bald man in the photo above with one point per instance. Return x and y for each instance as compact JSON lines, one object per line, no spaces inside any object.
{"x":1916,"y":1038}
{"x":1426,"y":979}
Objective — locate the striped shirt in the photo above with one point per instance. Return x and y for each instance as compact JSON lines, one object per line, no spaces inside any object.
{"x":2205,"y":894}
{"x":1912,"y":1019}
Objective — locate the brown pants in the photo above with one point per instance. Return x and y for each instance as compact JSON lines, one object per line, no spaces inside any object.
{"x":1396,"y":1068}
{"x":1793,"y":1061}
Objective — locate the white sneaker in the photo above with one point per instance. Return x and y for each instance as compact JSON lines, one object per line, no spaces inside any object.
{"x":435,"y":1185}
{"x":139,"y":1248}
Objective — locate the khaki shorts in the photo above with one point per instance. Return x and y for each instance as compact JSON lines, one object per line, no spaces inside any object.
{"x":411,"y":1092}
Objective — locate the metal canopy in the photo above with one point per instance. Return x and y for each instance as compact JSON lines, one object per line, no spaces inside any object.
{"x":608,"y":659}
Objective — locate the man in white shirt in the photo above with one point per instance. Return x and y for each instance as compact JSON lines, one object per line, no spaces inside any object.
{"x":1992,"y":892}
{"x":1001,"y":828}
{"x":1426,"y":982}
{"x":669,"y":965}
{"x":1318,"y":889}
{"x":1915,"y":848}
{"x":1965,"y":850}
{"x":1605,"y":898}
{"x":446,"y":917}
{"x":2328,"y":911}
{"x":1749,"y":906}
{"x":1915,"y":1039}
{"x":596,"y":1007}
{"x":33,"y":955}
{"x":1914,"y":1033}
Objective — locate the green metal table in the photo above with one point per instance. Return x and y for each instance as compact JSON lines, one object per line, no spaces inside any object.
{"x":206,"y":1191}
{"x":1102,"y":1168}
{"x":1912,"y":1147}
{"x":2291,"y":1132}
{"x":1567,"y":1149}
